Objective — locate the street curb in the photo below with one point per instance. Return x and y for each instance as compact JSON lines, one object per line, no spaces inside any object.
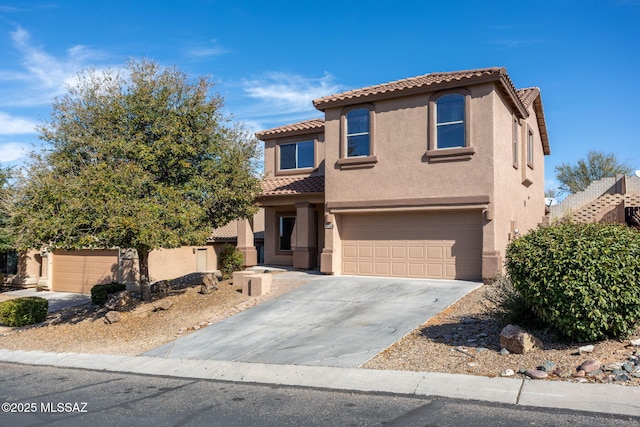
{"x":603,"y":398}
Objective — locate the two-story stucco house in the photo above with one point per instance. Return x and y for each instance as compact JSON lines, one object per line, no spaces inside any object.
{"x":429,"y":176}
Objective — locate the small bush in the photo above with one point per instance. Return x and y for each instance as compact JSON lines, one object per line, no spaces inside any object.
{"x":99,"y":293}
{"x":23,"y":311}
{"x":231,"y":260}
{"x":508,"y":305}
{"x":582,"y":279}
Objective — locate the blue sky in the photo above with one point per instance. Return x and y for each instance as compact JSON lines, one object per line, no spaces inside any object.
{"x":270,"y":59}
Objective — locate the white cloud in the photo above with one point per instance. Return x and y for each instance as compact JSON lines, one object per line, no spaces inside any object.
{"x":11,"y":151}
{"x":211,"y":49}
{"x":41,"y":76}
{"x":12,"y":125}
{"x":288,"y":93}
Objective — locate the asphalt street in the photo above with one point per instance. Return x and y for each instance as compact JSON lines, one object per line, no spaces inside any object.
{"x":39,"y":395}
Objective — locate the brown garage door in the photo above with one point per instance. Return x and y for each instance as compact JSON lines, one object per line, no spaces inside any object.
{"x":443,"y":245}
{"x":78,"y":271}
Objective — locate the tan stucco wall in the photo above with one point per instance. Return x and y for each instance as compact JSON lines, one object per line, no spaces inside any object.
{"x":514,"y":205}
{"x":402,"y":171}
{"x":172,"y":263}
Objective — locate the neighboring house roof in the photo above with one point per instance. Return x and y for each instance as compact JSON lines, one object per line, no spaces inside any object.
{"x":229,"y":232}
{"x":300,"y":128}
{"x":291,"y":186}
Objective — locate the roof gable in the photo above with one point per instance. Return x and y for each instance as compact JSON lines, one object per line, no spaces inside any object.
{"x":301,"y":128}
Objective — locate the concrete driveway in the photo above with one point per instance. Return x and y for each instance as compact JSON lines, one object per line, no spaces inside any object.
{"x":338,"y":321}
{"x":57,"y":300}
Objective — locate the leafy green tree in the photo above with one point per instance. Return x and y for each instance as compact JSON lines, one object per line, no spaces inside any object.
{"x":142,"y":159}
{"x":597,"y":165}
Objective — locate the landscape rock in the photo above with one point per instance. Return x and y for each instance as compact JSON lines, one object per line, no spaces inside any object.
{"x":635,"y":342}
{"x":548,"y":366}
{"x":517,"y":341}
{"x":586,"y":349}
{"x":590,"y":366}
{"x":536,"y":374}
{"x":119,"y":301}
{"x":112,"y":317}
{"x":209,"y":284}
{"x":507,"y":373}
{"x":504,"y":352}
{"x":163,"y":304}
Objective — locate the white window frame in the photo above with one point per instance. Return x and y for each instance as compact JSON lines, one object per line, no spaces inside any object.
{"x":297,"y":167}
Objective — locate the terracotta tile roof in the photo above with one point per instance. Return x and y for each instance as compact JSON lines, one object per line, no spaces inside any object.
{"x":424,"y":83}
{"x":229,"y":232}
{"x":307,"y":126}
{"x":528,"y":95}
{"x":290,"y":186}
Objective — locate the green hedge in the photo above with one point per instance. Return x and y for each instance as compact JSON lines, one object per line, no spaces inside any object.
{"x":231,"y":260}
{"x":99,"y":293}
{"x":23,"y":311}
{"x":582,"y":279}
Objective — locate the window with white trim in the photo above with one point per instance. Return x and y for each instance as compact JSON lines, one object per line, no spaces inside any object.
{"x":450,"y":117}
{"x":296,"y":155}
{"x":358,"y":133}
{"x":514,"y":142}
{"x":530,"y":148}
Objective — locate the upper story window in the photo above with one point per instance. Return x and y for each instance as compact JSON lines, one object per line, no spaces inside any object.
{"x":450,"y":117}
{"x":358,"y":133}
{"x":357,"y":137}
{"x":530,"y":148}
{"x":449,"y":135}
{"x":514,"y":142}
{"x":297,"y":155}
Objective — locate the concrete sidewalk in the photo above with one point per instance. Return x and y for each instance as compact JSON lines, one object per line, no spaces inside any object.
{"x":602,"y":398}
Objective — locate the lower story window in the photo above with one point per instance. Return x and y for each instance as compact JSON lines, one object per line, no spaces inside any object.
{"x":287,"y":223}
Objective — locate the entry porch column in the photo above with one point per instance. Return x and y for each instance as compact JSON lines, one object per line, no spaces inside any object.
{"x":246,"y":244}
{"x":305,"y":251}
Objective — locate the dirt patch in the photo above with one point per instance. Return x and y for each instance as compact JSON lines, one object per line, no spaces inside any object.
{"x":139,"y":330}
{"x":465,"y":339}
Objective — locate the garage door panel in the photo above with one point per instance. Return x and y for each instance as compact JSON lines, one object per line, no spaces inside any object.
{"x":79,"y":271}
{"x":437,"y":245}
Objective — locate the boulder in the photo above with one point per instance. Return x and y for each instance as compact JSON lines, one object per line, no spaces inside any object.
{"x":590,"y":366}
{"x":517,"y":341}
{"x":163,"y":304}
{"x":112,"y":317}
{"x":209,"y":284}
{"x":120,"y":301}
{"x":536,"y":374}
{"x":209,"y":280}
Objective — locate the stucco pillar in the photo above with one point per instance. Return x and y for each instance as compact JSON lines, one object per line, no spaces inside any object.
{"x":330,"y":259}
{"x":246,"y":245}
{"x":305,"y":252}
{"x":491,"y":257}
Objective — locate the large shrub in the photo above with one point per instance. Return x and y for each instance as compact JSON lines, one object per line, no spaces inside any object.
{"x":23,"y":311}
{"x":99,"y":293}
{"x":231,"y":260}
{"x":582,"y":279}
